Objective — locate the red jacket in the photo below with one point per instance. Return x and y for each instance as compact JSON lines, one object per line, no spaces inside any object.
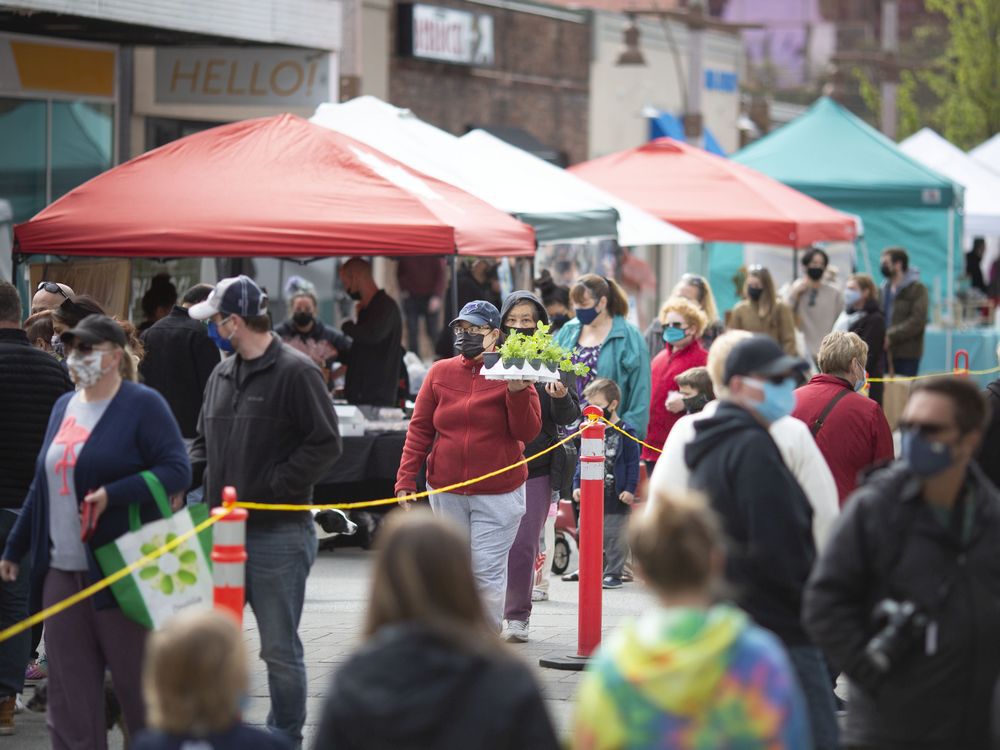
{"x":667,"y":365}
{"x":854,"y":435}
{"x":470,"y":426}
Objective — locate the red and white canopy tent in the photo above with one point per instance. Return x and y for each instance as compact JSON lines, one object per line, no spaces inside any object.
{"x":271,"y":187}
{"x":713,"y":197}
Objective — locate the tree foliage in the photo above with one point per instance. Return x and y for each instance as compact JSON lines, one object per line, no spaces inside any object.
{"x":958,"y":92}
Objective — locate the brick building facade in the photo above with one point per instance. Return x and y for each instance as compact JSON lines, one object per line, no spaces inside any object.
{"x":538,"y":80}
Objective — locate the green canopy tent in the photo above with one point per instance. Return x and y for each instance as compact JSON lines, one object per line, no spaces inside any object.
{"x":835,"y":157}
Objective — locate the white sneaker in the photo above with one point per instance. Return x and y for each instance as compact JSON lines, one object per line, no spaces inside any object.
{"x":515,"y":631}
{"x":539,"y":595}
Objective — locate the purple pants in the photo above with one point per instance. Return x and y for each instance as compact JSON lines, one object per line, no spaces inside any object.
{"x":524,"y":552}
{"x":80,"y":643}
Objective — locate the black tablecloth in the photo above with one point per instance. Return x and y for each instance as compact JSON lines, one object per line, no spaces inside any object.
{"x":367,"y":458}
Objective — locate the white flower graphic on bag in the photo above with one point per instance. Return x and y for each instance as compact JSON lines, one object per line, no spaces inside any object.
{"x":173,"y":571}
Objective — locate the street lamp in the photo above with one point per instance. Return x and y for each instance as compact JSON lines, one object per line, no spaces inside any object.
{"x":631,"y":54}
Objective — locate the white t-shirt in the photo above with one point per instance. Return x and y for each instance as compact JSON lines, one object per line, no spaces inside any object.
{"x":797,"y":447}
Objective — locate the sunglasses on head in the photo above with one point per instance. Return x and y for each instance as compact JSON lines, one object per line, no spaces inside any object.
{"x":51,"y":287}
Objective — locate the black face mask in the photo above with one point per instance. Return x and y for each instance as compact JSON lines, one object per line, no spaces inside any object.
{"x":886,"y":270}
{"x":815,"y":273}
{"x":607,"y":413}
{"x":302,"y":319}
{"x":695,"y":404}
{"x":470,"y":345}
{"x":754,"y":293}
{"x":558,"y":321}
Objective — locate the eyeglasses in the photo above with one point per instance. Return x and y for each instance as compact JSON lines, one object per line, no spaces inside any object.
{"x":83,"y":348}
{"x":471,"y":329}
{"x":924,"y":428}
{"x":51,"y":287}
{"x":678,"y":326}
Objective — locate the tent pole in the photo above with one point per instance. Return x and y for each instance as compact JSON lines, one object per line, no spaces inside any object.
{"x":453,"y":262}
{"x":949,"y":318}
{"x":795,"y":262}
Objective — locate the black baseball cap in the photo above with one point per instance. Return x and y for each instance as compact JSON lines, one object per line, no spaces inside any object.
{"x":760,"y":355}
{"x":479,"y":313}
{"x":237,"y":295}
{"x":95,"y":329}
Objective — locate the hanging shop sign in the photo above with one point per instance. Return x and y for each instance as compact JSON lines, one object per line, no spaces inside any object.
{"x":445,"y":34}
{"x":257,"y":76}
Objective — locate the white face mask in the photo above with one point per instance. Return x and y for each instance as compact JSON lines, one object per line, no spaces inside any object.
{"x":85,"y":369}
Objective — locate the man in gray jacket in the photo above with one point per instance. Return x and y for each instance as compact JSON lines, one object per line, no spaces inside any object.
{"x":268,"y":428}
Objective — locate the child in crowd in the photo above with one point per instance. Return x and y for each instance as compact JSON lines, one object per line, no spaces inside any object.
{"x":688,"y":673}
{"x":695,"y":387}
{"x":194,"y":679}
{"x":621,"y":477}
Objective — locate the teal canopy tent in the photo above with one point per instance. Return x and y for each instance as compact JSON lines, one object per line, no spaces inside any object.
{"x":835,"y":157}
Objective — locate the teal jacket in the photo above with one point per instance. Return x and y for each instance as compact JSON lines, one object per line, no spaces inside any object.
{"x":624,"y":359}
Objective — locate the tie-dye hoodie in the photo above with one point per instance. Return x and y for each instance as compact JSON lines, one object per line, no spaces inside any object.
{"x":691,"y":679}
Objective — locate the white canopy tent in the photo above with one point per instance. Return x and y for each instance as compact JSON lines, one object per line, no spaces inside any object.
{"x":509,"y":165}
{"x":560,"y":206}
{"x":982,"y":185}
{"x":557,"y":216}
{"x":988,"y":153}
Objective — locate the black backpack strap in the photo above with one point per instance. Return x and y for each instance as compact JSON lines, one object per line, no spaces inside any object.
{"x":818,"y":424}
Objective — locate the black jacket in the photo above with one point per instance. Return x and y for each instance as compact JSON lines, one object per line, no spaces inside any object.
{"x":556,"y":413}
{"x":267,"y":428}
{"x":179,"y":358}
{"x":766,"y":517}
{"x":376,"y":353}
{"x":989,"y":451}
{"x":30,"y":383}
{"x":870,"y":326}
{"x":407,"y":689}
{"x":889,"y":543}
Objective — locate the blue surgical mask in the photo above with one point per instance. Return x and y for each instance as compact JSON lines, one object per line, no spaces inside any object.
{"x":779,"y":399}
{"x":673,"y":335}
{"x":925,"y":457}
{"x":220,"y":341}
{"x":586,"y":315}
{"x":851,"y":298}
{"x":859,"y":385}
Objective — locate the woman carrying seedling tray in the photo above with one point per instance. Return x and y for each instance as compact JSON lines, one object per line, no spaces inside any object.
{"x":466,"y":426}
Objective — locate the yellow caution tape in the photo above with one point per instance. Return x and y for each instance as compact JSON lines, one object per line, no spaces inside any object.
{"x":406,"y":498}
{"x":910,"y":378}
{"x":111,"y":579}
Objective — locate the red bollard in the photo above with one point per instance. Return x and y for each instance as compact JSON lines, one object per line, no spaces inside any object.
{"x":229,"y":555}
{"x":591,"y":534}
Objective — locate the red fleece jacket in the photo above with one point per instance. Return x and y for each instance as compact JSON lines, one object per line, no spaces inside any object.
{"x":469,"y":426}
{"x":855,"y":434}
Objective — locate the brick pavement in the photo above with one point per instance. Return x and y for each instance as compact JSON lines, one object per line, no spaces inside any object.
{"x":335,"y":604}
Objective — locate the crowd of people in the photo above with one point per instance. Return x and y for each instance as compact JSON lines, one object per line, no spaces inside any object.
{"x":787,"y":546}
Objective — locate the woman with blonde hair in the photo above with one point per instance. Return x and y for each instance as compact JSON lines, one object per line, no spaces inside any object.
{"x":762,"y":312}
{"x":194,"y":680}
{"x":691,"y":672}
{"x":100,"y":441}
{"x":684,"y":323}
{"x":697,"y":289}
{"x":432,"y":673}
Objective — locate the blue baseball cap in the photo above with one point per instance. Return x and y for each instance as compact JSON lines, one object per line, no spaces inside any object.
{"x":238,"y":295}
{"x":479,"y":313}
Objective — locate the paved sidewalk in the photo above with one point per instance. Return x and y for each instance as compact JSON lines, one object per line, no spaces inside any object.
{"x":336,"y":599}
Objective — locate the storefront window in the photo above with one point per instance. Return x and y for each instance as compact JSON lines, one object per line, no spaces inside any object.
{"x":22,"y":156}
{"x":47,"y":148}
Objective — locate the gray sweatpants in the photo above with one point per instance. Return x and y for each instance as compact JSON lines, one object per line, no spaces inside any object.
{"x":491,"y":522}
